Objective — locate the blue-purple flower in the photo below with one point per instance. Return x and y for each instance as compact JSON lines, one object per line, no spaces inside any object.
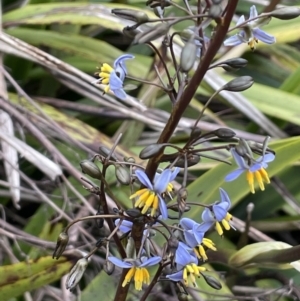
{"x":217,"y":214}
{"x":186,"y":263}
{"x":254,"y":170}
{"x":250,"y":32}
{"x":151,"y":196}
{"x":137,"y":269}
{"x":194,"y":238}
{"x":114,"y":77}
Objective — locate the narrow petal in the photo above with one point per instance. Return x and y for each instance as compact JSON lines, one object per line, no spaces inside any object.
{"x":162,"y":181}
{"x":120,"y":93}
{"x":190,"y":238}
{"x":143,"y":178}
{"x":240,"y":20}
{"x":269,"y":157}
{"x":263,"y":36}
{"x":151,"y":261}
{"x":163,"y":208}
{"x":239,"y":160}
{"x":203,"y":227}
{"x":198,"y":233}
{"x":233,"y":41}
{"x":224,"y":197}
{"x":176,"y":276}
{"x":253,"y":12}
{"x":119,"y":65}
{"x":219,"y":212}
{"x":115,"y":82}
{"x":120,"y":263}
{"x":174,"y":174}
{"x":125,"y":226}
{"x":182,"y":256}
{"x":207,"y":215}
{"x":187,"y":223}
{"x":234,"y":175}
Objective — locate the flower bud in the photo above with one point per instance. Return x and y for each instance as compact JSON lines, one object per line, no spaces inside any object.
{"x":234,"y":64}
{"x":104,"y":151}
{"x":286,"y":13}
{"x":151,"y":150}
{"x":172,"y":245}
{"x":151,"y":34}
{"x":129,"y":159}
{"x":76,"y":273}
{"x":239,"y":84}
{"x":212,"y":281}
{"x":188,"y":56}
{"x":215,"y":11}
{"x":133,"y":212}
{"x":131,"y":14}
{"x":61,"y":244}
{"x":156,"y":3}
{"x":181,"y":200}
{"x":159,"y":11}
{"x":192,"y":160}
{"x":123,"y":175}
{"x":224,"y":133}
{"x":130,"y":32}
{"x":108,"y":267}
{"x":90,"y":168}
{"x":130,"y":248}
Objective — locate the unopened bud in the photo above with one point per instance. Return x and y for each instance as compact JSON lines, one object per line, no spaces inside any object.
{"x":61,"y":244}
{"x":129,"y":159}
{"x":172,"y":245}
{"x":234,"y":64}
{"x":176,"y":209}
{"x":130,"y":248}
{"x":108,"y":267}
{"x":215,"y":11}
{"x":192,"y":160}
{"x":212,"y":281}
{"x":151,"y":150}
{"x":159,"y":11}
{"x":123,"y":175}
{"x":188,"y":56}
{"x":224,"y":133}
{"x":158,"y":3}
{"x":76,"y":273}
{"x":90,"y":168}
{"x":104,"y":151}
{"x":131,"y":14}
{"x":286,"y":13}
{"x":181,"y":200}
{"x":130,"y":32}
{"x":239,"y":84}
{"x":151,"y":34}
{"x":133,"y":212}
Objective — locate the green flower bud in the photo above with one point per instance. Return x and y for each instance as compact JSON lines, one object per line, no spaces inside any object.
{"x":90,"y":168}
{"x":123,"y":175}
{"x":224,"y":133}
{"x":133,"y":212}
{"x":159,"y":11}
{"x":239,"y":84}
{"x":76,"y":273}
{"x":212,"y":281}
{"x":188,"y":56}
{"x":192,"y":160}
{"x":234,"y":64}
{"x":129,"y":159}
{"x":131,"y":14}
{"x":61,"y":244}
{"x":108,"y":267}
{"x":151,"y":150}
{"x":215,"y":11}
{"x":130,"y":32}
{"x":152,"y":33}
{"x":286,"y":13}
{"x":104,"y":151}
{"x":130,"y":248}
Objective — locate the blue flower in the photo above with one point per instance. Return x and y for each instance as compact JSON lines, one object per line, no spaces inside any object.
{"x":216,"y":214}
{"x":256,"y":169}
{"x":137,"y":269}
{"x":194,"y":237}
{"x":151,"y":196}
{"x":250,"y":32}
{"x":114,"y":77}
{"x":186,"y":262}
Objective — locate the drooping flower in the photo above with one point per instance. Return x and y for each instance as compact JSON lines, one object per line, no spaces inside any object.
{"x":113,"y":77}
{"x":186,"y":263}
{"x":151,"y":196}
{"x":256,"y":169}
{"x":137,"y":269}
{"x":194,"y":237}
{"x":216,"y":214}
{"x":250,"y":32}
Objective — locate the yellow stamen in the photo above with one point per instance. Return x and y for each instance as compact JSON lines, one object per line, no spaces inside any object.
{"x":106,"y":89}
{"x":250,"y":179}
{"x":128,"y":276}
{"x":225,"y":224}
{"x":219,"y":229}
{"x":264,"y":175}
{"x":138,"y":279}
{"x":146,"y":276}
{"x":106,"y":68}
{"x":228,"y":217}
{"x":138,"y":193}
{"x":209,"y":244}
{"x":184,"y":276}
{"x":259,"y":180}
{"x":148,"y":203}
{"x":154,"y":206}
{"x":202,"y":253}
{"x":170,"y":187}
{"x":105,"y":81}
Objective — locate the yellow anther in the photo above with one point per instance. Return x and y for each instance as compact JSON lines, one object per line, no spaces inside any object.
{"x":264,"y":175}
{"x":259,"y":180}
{"x":219,"y":229}
{"x":128,"y":276}
{"x":250,"y":179}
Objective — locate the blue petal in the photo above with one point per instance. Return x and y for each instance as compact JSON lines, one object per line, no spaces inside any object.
{"x":219,"y":212}
{"x":163,"y":208}
{"x":162,"y":181}
{"x":176,"y":276}
{"x":253,"y":12}
{"x":207,"y":216}
{"x":120,"y":67}
{"x":187,"y":223}
{"x":120,"y":263}
{"x":198,"y":233}
{"x":182,"y":256}
{"x":240,"y":20}
{"x":143,"y":178}
{"x":233,"y":41}
{"x":203,"y":227}
{"x":234,"y":175}
{"x":190,"y":238}
{"x":151,"y":261}
{"x":269,"y":158}
{"x":174,"y":174}
{"x":224,"y":198}
{"x":120,"y":93}
{"x":263,"y":36}
{"x":115,"y":82}
{"x":255,"y":167}
{"x":125,"y":226}
{"x":239,"y":160}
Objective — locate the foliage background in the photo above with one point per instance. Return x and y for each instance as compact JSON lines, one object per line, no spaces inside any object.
{"x":58,"y":112}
